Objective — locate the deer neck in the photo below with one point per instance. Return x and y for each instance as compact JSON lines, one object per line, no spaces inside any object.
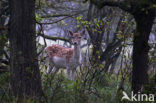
{"x":77,"y":52}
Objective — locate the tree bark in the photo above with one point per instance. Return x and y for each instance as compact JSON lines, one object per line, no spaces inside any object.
{"x":25,"y":75}
{"x":144,"y":21}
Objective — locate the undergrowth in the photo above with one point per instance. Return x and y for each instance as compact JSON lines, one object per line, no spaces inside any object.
{"x":100,"y":88}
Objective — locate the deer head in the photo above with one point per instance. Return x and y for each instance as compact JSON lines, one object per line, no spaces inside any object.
{"x":75,"y":38}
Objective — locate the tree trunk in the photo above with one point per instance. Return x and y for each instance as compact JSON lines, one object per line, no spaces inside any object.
{"x":144,"y":21}
{"x":25,"y":75}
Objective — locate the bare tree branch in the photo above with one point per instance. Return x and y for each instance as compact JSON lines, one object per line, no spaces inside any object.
{"x":49,"y":23}
{"x":64,"y":14}
{"x":54,"y":38}
{"x":57,"y":15}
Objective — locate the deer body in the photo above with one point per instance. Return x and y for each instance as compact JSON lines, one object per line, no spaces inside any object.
{"x":66,"y":58}
{"x":62,"y":57}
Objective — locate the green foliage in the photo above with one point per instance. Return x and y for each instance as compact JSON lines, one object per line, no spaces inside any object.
{"x":3,"y":41}
{"x":38,"y":18}
{"x":94,"y":26}
{"x":103,"y":88}
{"x":63,"y":23}
{"x":40,"y":3}
{"x":151,"y":87}
{"x":4,"y":79}
{"x":100,"y":88}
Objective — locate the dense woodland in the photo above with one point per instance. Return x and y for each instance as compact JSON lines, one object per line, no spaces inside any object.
{"x":116,"y":51}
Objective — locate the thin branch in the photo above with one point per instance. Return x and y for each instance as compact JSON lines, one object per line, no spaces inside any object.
{"x":41,"y":31}
{"x":55,"y":15}
{"x":54,"y":38}
{"x":49,"y":23}
{"x":66,"y":16}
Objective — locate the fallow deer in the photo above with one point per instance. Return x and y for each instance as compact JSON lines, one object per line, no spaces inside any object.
{"x":67,"y":58}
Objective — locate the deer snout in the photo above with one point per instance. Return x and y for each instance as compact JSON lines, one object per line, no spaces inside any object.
{"x":75,"y":43}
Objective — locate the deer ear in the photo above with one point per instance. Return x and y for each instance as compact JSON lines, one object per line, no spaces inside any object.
{"x":83,"y":33}
{"x":71,"y":33}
